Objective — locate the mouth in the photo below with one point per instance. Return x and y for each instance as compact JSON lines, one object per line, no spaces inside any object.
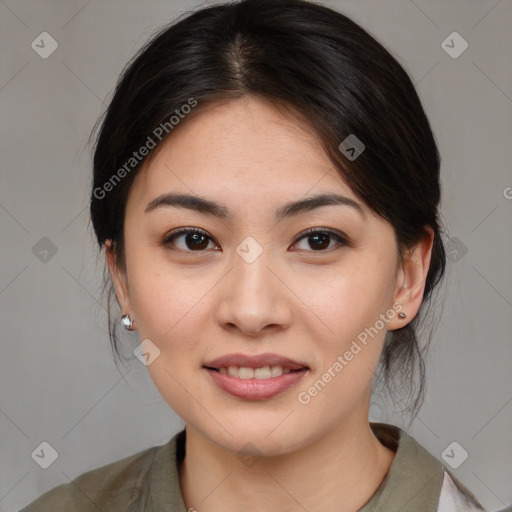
{"x":260,"y":373}
{"x":258,"y":377}
{"x":260,"y":366}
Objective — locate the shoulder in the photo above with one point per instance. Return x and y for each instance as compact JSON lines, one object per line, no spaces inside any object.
{"x":416,"y":480}
{"x":113,"y":487}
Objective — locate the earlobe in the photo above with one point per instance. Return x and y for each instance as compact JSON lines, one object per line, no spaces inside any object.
{"x":411,"y":279}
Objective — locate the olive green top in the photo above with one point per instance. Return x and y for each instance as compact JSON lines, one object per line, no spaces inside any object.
{"x":148,"y":481}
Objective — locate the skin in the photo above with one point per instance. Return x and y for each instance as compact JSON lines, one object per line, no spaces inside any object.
{"x":294,"y":299}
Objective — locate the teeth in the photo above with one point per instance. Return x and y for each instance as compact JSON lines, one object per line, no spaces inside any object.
{"x":265,"y":372}
{"x":262,"y":373}
{"x":244,"y":373}
{"x":277,"y":371}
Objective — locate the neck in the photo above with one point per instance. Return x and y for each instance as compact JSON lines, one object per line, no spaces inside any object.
{"x":339,"y":471}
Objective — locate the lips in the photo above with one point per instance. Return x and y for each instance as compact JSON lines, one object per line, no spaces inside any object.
{"x":255,"y":377}
{"x":256,"y":361}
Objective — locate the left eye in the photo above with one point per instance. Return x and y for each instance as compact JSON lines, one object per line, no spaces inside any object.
{"x":319,"y":240}
{"x":197,"y":240}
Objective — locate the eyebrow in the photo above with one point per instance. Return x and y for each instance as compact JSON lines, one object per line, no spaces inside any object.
{"x":209,"y":207}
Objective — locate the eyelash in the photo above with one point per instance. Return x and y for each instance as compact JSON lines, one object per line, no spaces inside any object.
{"x":333,"y":234}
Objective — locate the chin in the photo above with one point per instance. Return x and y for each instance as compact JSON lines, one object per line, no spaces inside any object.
{"x":256,"y":436}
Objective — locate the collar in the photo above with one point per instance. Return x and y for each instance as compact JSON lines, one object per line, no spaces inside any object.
{"x":413,"y":481}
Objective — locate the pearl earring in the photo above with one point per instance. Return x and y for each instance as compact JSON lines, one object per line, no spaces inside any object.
{"x":127,"y":322}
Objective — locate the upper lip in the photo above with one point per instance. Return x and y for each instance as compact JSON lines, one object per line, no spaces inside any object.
{"x":254,"y":361}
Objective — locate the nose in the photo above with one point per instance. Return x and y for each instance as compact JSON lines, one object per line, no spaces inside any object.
{"x":253,"y":298}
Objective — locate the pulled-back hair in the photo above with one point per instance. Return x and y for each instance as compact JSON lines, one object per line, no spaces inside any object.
{"x":328,"y":71}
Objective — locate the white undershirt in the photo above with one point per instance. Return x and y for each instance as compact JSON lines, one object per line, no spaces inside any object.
{"x":450,"y":499}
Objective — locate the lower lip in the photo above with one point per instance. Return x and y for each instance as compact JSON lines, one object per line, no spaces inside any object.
{"x":256,"y":389}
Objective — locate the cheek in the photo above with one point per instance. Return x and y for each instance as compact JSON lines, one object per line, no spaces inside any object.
{"x":350,"y":298}
{"x":348,"y":344}
{"x":171,"y":311}
{"x":160,"y":293}
{"x":350,"y":333}
{"x":166,"y":304}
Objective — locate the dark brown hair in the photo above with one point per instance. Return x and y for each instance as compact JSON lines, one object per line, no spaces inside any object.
{"x":314,"y":62}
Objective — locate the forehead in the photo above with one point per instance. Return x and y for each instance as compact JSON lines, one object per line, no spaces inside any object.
{"x":245,"y":147}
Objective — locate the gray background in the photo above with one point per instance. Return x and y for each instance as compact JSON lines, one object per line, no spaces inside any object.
{"x":59,"y":383}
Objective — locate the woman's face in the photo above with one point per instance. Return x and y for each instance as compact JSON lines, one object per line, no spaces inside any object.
{"x":252,"y":283}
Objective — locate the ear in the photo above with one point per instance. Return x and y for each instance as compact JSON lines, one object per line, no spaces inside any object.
{"x":119,"y":278}
{"x":410,"y":281}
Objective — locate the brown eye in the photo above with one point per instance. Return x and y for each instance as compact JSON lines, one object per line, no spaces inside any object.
{"x":197,"y":240}
{"x":319,"y":240}
{"x":193,"y":240}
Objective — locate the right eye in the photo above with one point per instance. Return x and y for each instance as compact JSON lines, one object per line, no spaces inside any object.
{"x":193,"y":239}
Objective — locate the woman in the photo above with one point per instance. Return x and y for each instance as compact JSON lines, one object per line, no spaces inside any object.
{"x":266,"y":190}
